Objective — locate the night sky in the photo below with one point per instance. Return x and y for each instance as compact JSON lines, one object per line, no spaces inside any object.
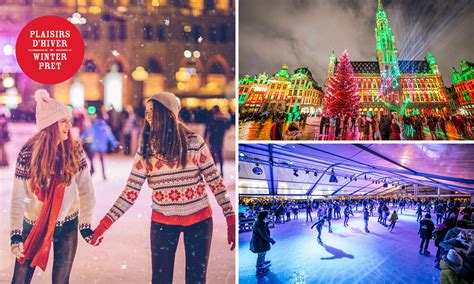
{"x":304,"y":32}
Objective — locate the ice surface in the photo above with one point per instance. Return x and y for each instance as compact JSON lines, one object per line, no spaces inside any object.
{"x":349,"y":255}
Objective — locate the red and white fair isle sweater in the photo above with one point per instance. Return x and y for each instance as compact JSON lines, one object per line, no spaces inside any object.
{"x":78,"y":196}
{"x":179,"y":196}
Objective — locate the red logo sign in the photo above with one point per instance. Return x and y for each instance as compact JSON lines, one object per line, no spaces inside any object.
{"x":49,"y":49}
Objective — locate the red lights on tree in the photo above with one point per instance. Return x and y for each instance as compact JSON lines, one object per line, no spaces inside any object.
{"x":341,"y":91}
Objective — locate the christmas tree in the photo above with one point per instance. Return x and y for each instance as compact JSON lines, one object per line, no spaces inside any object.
{"x":341,"y":90}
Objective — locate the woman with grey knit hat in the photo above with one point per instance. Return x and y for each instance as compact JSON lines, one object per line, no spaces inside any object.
{"x":177,"y":164}
{"x":52,"y":195}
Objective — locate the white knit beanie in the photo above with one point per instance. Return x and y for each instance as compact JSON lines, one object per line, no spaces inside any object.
{"x":169,"y":100}
{"x":48,"y":110}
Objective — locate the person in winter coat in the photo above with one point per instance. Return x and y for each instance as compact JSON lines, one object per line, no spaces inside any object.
{"x":347,"y":212}
{"x":177,"y":164}
{"x":393,"y":220}
{"x":385,"y":213}
{"x":366,"y":219}
{"x":451,"y":265}
{"x":100,"y":137}
{"x":329,"y":217}
{"x":432,"y":127}
{"x":4,"y":138}
{"x":319,"y":226}
{"x":52,"y":174}
{"x":308,"y":211}
{"x":395,"y":130}
{"x":218,"y":125}
{"x":419,"y":213}
{"x":293,"y":132}
{"x":380,"y":212}
{"x":276,"y":132}
{"x":385,"y":128}
{"x":425,"y":232}
{"x":260,"y":242}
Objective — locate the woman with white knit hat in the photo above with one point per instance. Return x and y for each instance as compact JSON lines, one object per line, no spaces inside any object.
{"x":177,"y":164}
{"x":52,"y":195}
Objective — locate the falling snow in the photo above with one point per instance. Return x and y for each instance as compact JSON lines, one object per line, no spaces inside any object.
{"x":125,"y":251}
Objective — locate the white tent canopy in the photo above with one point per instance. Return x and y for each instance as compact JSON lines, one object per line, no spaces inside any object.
{"x":360,"y":169}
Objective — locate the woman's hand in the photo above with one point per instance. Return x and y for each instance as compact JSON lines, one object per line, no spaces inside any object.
{"x":17,"y":250}
{"x":97,"y":236}
{"x":88,"y":236}
{"x":231,"y":231}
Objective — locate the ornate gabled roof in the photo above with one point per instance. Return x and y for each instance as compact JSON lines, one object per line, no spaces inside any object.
{"x":414,"y":66}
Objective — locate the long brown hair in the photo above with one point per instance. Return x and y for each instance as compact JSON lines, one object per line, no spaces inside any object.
{"x":166,"y":136}
{"x":52,"y":159}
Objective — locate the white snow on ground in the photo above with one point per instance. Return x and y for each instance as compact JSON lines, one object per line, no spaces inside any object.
{"x":349,"y":255}
{"x":124,"y":255}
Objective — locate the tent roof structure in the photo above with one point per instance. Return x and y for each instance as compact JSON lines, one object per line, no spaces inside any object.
{"x":360,"y":169}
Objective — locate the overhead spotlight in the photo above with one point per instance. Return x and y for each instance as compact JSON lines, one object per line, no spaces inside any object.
{"x":333,"y":178}
{"x":385,"y":185}
{"x":295,"y":173}
{"x":315,"y":174}
{"x":403,"y":187}
{"x":242,"y":154}
{"x":257,"y":170}
{"x":365,"y":177}
{"x":345,"y":177}
{"x":307,"y":172}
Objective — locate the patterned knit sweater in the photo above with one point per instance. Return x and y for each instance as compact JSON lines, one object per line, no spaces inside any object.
{"x":25,"y":206}
{"x":179,"y":196}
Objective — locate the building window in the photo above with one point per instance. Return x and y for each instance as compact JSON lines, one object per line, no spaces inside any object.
{"x":224,"y":33}
{"x":197,"y":33}
{"x":161,"y":33}
{"x":95,"y":31}
{"x":187,"y":33}
{"x":123,"y":31}
{"x":89,"y":66}
{"x":86,"y":31}
{"x":209,"y":4}
{"x":213,"y":34}
{"x":112,"y":33}
{"x":147,"y":32}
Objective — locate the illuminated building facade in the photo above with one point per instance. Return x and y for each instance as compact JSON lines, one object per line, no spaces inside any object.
{"x":294,"y":94}
{"x":388,"y":84}
{"x":135,"y":48}
{"x":463,"y":84}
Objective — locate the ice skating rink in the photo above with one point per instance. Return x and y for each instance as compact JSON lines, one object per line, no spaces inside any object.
{"x":124,"y":255}
{"x":348,"y":255}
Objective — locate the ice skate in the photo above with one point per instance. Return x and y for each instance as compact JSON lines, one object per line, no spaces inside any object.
{"x":426,"y":252}
{"x":262,"y":271}
{"x":266,"y":264}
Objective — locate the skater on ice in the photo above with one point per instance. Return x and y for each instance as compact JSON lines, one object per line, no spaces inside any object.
{"x":319,"y":226}
{"x":177,"y":165}
{"x":260,"y":242}
{"x":52,"y":173}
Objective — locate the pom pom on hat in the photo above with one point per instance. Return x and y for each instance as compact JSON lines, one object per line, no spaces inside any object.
{"x":41,"y":94}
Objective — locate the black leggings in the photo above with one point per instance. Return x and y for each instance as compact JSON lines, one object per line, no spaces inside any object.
{"x":64,"y":246}
{"x":197,"y":244}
